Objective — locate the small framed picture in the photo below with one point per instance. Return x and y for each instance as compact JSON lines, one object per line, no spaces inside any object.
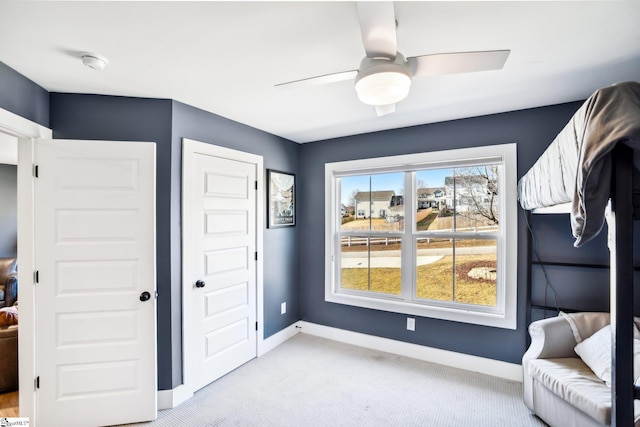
{"x":281,"y":199}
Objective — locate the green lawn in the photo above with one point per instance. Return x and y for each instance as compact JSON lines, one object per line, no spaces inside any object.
{"x":433,"y":280}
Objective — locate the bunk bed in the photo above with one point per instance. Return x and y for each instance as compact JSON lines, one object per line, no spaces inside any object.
{"x":591,"y":171}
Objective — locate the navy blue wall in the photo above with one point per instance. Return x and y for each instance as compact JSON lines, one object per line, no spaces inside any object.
{"x":281,"y":254}
{"x":23,"y":97}
{"x":580,"y":285}
{"x":166,"y":123}
{"x":8,"y":210}
{"x":532,"y":130}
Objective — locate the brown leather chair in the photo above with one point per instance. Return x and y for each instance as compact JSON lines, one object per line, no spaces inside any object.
{"x":8,"y":358}
{"x":8,"y":281}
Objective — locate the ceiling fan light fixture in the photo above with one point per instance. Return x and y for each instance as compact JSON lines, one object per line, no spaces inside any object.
{"x":383,"y":81}
{"x":383,"y":88}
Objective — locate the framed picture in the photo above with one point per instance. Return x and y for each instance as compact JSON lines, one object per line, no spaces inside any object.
{"x":281,"y":199}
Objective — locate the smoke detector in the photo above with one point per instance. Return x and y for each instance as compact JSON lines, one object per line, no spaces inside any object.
{"x":94,"y":61}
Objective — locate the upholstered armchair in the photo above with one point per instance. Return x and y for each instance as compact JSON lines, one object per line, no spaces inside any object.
{"x":8,"y":281}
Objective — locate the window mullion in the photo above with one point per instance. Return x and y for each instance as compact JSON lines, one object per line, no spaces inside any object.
{"x":408,"y":247}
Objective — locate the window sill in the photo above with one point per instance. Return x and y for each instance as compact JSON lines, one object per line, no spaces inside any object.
{"x":445,"y":313}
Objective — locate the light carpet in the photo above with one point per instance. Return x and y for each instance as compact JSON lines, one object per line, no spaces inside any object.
{"x":310,"y":381}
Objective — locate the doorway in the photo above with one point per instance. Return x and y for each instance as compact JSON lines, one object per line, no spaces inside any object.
{"x":9,"y":397}
{"x":25,"y":131}
{"x":222,"y":260}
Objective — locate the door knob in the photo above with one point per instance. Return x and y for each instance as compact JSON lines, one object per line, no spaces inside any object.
{"x":145,"y":296}
{"x":200,"y":284}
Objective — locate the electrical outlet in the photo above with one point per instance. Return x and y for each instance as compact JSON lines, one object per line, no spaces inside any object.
{"x":411,"y":324}
{"x":283,"y":308}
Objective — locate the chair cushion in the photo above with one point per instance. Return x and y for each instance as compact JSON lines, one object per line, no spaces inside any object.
{"x":570,"y":379}
{"x":585,"y":324}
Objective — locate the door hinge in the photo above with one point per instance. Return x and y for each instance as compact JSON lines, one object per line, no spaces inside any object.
{"x":35,"y":171}
{"x":36,"y":276}
{"x":256,"y":185}
{"x":256,"y":255}
{"x":256,"y":326}
{"x":37,"y":384}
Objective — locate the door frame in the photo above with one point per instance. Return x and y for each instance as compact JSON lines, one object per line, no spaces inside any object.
{"x":190,"y":147}
{"x":26,"y":131}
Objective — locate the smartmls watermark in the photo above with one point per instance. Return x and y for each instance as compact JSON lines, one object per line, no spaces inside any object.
{"x":10,"y":422}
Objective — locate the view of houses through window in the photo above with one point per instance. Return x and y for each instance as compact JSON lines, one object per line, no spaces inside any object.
{"x":452,"y":226}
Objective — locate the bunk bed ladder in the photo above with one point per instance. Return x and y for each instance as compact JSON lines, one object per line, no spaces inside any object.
{"x":621,"y":287}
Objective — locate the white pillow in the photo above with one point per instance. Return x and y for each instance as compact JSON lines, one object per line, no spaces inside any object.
{"x":595,"y":352}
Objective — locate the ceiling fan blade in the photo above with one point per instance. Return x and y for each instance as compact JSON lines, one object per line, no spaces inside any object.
{"x":382,"y":110}
{"x":378,"y":28}
{"x":459,"y":62}
{"x":320,"y":80}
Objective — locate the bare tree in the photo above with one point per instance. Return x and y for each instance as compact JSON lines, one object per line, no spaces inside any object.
{"x":477,"y":189}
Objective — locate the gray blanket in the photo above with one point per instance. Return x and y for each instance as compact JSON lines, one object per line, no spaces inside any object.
{"x":577,"y":166}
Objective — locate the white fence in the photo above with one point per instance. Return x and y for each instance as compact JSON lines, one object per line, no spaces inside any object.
{"x":357,"y":240}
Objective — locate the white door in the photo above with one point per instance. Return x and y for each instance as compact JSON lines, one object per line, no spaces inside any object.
{"x":95,"y":291}
{"x":221,"y":201}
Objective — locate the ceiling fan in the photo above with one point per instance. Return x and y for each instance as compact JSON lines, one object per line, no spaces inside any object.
{"x":385,"y":75}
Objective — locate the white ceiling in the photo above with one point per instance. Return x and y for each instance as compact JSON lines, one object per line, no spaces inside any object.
{"x":226,"y":57}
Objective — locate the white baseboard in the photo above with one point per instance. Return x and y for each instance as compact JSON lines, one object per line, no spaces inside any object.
{"x":496,"y":368}
{"x":168,"y":399}
{"x":278,"y":338}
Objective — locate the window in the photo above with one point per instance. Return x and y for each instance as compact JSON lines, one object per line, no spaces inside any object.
{"x":434,"y":234}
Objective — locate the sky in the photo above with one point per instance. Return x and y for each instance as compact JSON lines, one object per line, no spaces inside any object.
{"x":390,"y":182}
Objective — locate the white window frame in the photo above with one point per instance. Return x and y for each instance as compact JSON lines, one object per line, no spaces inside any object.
{"x":504,"y":314}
